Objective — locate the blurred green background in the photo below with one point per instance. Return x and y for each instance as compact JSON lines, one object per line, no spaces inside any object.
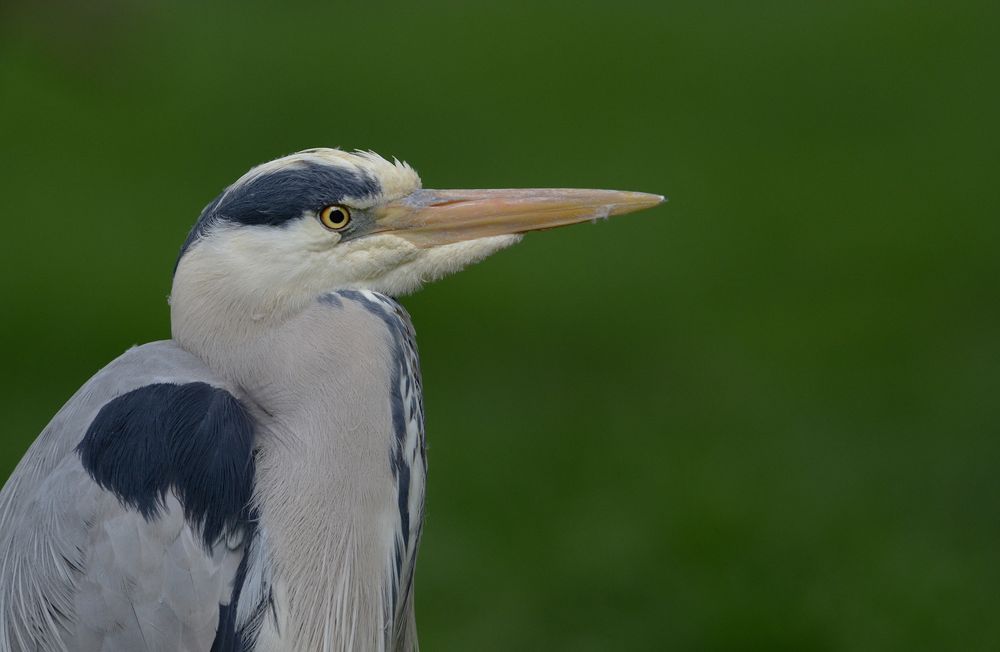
{"x":760,"y":417}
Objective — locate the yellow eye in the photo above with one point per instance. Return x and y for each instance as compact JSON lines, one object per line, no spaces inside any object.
{"x":335,"y":217}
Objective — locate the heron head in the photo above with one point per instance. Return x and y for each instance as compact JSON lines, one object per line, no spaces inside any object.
{"x":322,"y":219}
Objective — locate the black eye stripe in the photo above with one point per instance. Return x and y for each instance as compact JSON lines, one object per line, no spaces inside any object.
{"x":275,"y":198}
{"x":285,"y":195}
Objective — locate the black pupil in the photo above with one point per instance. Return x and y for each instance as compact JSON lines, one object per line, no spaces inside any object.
{"x":337,"y":216}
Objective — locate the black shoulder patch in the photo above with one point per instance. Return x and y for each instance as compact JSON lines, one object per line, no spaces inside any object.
{"x":194,"y":439}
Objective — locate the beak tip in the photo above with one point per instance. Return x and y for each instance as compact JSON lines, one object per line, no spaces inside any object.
{"x":644,"y":200}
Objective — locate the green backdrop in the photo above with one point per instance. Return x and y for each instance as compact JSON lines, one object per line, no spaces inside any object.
{"x":760,"y":417}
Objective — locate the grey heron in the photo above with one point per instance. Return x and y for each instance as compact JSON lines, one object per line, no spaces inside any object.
{"x":257,"y":481}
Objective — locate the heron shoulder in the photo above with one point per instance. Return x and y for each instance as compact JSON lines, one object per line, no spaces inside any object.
{"x":140,"y":427}
{"x":100,"y":515}
{"x":156,"y":362}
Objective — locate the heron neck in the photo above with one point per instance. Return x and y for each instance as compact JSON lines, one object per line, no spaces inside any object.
{"x":327,"y":495}
{"x":224,"y":321}
{"x":319,"y":380}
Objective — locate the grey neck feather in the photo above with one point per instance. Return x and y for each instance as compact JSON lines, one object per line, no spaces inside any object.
{"x":317,"y":376}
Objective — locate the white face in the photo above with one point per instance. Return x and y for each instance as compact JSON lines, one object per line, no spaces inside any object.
{"x":287,"y":265}
{"x":305,"y":259}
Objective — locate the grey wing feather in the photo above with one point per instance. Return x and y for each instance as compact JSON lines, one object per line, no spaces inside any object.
{"x":81,"y":571}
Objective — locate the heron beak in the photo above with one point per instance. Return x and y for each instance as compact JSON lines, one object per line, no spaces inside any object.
{"x":429,"y":218}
